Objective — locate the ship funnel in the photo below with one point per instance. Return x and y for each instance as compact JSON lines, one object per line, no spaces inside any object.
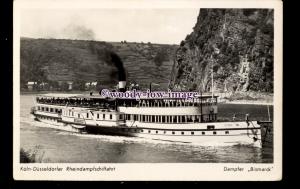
{"x":122,"y":86}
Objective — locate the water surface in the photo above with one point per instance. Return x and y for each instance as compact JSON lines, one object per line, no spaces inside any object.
{"x":55,"y":146}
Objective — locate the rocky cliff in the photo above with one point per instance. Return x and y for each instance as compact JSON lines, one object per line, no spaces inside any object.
{"x":237,"y":44}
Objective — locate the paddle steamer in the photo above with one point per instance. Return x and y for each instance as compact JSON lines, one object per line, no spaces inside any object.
{"x":170,"y":119}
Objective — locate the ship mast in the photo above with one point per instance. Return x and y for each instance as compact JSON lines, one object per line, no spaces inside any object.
{"x":216,"y":51}
{"x":212,"y":77}
{"x":269,"y":113}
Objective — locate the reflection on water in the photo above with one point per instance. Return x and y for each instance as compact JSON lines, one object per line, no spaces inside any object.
{"x":65,"y":147}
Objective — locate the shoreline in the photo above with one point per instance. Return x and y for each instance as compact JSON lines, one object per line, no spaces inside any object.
{"x":247,"y":102}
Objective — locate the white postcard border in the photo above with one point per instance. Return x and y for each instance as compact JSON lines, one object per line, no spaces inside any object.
{"x":152,"y":171}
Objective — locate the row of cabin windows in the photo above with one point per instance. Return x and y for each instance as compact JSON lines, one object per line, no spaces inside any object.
{"x":48,"y":118}
{"x":175,"y":103}
{"x":173,"y":132}
{"x":170,"y":119}
{"x":87,"y":115}
{"x":103,"y":116}
{"x":47,"y":109}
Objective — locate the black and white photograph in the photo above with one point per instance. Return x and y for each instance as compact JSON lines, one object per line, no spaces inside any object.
{"x":108,"y":86}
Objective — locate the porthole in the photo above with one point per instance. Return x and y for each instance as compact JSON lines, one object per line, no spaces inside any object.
{"x":142,"y":130}
{"x":203,"y":133}
{"x":182,"y":133}
{"x":165,"y":132}
{"x":226,"y":132}
{"x":173,"y":133}
{"x":192,"y":133}
{"x":156,"y":132}
{"x":149,"y":131}
{"x":214,"y":132}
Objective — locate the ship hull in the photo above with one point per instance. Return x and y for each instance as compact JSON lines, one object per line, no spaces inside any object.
{"x":56,"y":123}
{"x":221,"y":136}
{"x":238,"y":136}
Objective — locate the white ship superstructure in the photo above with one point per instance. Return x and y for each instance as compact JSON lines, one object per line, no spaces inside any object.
{"x":181,"y":120}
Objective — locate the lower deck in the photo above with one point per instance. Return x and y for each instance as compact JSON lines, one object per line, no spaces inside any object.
{"x":242,"y":134}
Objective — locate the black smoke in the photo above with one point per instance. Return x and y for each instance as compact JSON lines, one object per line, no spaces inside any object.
{"x":116,"y":60}
{"x":105,"y":53}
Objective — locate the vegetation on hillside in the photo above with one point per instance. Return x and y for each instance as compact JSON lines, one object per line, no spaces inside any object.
{"x":221,"y":38}
{"x":59,"y":61}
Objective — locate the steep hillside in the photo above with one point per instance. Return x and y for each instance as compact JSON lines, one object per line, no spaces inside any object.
{"x":238,"y":43}
{"x":56,"y":61}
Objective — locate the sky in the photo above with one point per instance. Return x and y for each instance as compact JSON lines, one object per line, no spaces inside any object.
{"x":164,"y":26}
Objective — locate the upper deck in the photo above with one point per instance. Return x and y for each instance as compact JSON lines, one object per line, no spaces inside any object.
{"x":202,"y":108}
{"x":98,"y":101}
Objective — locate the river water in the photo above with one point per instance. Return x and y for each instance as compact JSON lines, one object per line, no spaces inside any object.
{"x":55,"y":146}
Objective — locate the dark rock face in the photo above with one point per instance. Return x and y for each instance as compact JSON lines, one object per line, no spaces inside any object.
{"x":236,"y":43}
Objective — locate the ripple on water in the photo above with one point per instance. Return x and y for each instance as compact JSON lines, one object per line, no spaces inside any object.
{"x":67,"y":147}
